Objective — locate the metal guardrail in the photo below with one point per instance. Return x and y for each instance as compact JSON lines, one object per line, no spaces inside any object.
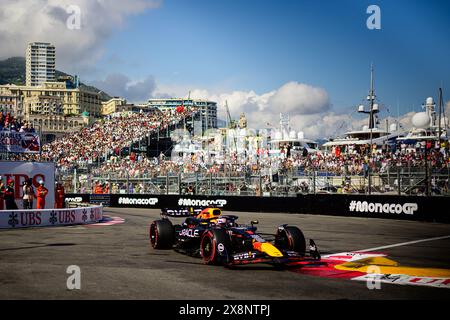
{"x":400,"y":181}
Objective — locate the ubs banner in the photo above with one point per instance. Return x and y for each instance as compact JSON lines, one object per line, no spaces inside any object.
{"x":20,"y":171}
{"x":57,"y":217}
{"x":19,"y":142}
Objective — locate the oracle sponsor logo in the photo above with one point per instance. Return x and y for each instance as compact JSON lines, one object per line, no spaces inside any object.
{"x":138,"y":201}
{"x":392,"y":208}
{"x":191,"y":233}
{"x":201,"y":203}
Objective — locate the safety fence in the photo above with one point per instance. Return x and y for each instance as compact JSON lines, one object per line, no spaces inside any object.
{"x":394,"y":181}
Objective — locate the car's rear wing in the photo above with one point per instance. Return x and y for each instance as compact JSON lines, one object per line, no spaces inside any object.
{"x":180,"y":212}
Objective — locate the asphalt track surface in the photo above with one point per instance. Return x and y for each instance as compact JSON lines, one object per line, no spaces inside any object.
{"x":117,"y":263}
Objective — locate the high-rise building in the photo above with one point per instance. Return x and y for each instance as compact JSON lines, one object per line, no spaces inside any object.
{"x":40,"y":63}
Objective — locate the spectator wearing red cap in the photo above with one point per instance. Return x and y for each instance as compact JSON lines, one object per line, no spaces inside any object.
{"x":41,"y":194}
{"x":10,"y":200}
{"x":59,"y":196}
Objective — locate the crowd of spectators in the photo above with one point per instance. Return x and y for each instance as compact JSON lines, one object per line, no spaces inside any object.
{"x":101,"y":145}
{"x":345,"y":164}
{"x":107,"y":137}
{"x":133,"y":173}
{"x":10,"y":123}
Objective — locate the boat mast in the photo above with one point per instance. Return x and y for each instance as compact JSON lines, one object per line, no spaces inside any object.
{"x":374,"y":109}
{"x":371,"y":98}
{"x":439,"y":118}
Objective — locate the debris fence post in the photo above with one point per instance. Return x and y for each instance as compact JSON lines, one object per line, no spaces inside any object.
{"x":314,"y":181}
{"x":260,"y":184}
{"x":75,"y":181}
{"x":167,"y":182}
{"x":196,"y":183}
{"x":210,"y":183}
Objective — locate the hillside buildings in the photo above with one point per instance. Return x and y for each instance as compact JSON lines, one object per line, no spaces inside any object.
{"x":54,"y":108}
{"x":59,"y":106}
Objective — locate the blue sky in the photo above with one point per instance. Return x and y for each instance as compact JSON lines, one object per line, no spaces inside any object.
{"x":262,"y":44}
{"x":310,"y":59}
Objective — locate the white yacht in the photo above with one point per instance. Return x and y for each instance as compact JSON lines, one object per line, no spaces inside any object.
{"x":426,"y":125}
{"x":285,"y":136}
{"x":370,"y":134}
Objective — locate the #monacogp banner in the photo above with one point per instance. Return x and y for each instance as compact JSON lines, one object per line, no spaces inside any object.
{"x":19,"y":142}
{"x":20,"y":171}
{"x":11,"y":219}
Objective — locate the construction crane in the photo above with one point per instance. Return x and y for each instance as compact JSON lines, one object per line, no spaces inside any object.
{"x":231,"y":124}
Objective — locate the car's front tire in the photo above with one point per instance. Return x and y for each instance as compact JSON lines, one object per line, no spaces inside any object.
{"x":215,"y":247}
{"x":162,"y":234}
{"x":292,"y":239}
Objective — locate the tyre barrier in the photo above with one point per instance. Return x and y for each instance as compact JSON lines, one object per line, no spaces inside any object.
{"x":14,"y":219}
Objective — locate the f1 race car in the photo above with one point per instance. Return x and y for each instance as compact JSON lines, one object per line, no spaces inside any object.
{"x":219,"y":240}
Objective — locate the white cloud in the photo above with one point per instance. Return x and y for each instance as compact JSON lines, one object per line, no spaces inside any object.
{"x":309,"y":109}
{"x":27,"y":21}
{"x":120,"y":85}
{"x":305,"y":104}
{"x":292,"y":97}
{"x":298,"y":98}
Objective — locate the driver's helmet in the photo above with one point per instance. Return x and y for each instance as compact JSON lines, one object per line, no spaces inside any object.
{"x":222,"y":221}
{"x":210,"y":214}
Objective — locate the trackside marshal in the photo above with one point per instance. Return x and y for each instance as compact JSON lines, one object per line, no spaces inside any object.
{"x":20,"y":171}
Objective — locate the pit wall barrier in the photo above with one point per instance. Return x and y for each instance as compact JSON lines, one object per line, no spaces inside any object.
{"x":13,"y":219}
{"x":435,"y":209}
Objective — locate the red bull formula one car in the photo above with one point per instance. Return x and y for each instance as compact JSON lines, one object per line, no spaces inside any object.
{"x":219,"y":240}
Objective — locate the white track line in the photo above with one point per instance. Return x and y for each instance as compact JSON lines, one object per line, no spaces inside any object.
{"x":403,"y":244}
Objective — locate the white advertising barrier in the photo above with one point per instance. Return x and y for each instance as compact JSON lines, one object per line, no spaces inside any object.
{"x":13,"y":219}
{"x":20,"y":171}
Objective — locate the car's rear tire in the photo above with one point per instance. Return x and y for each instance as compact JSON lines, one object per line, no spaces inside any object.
{"x":292,"y":239}
{"x":162,"y":234}
{"x":215,"y":247}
